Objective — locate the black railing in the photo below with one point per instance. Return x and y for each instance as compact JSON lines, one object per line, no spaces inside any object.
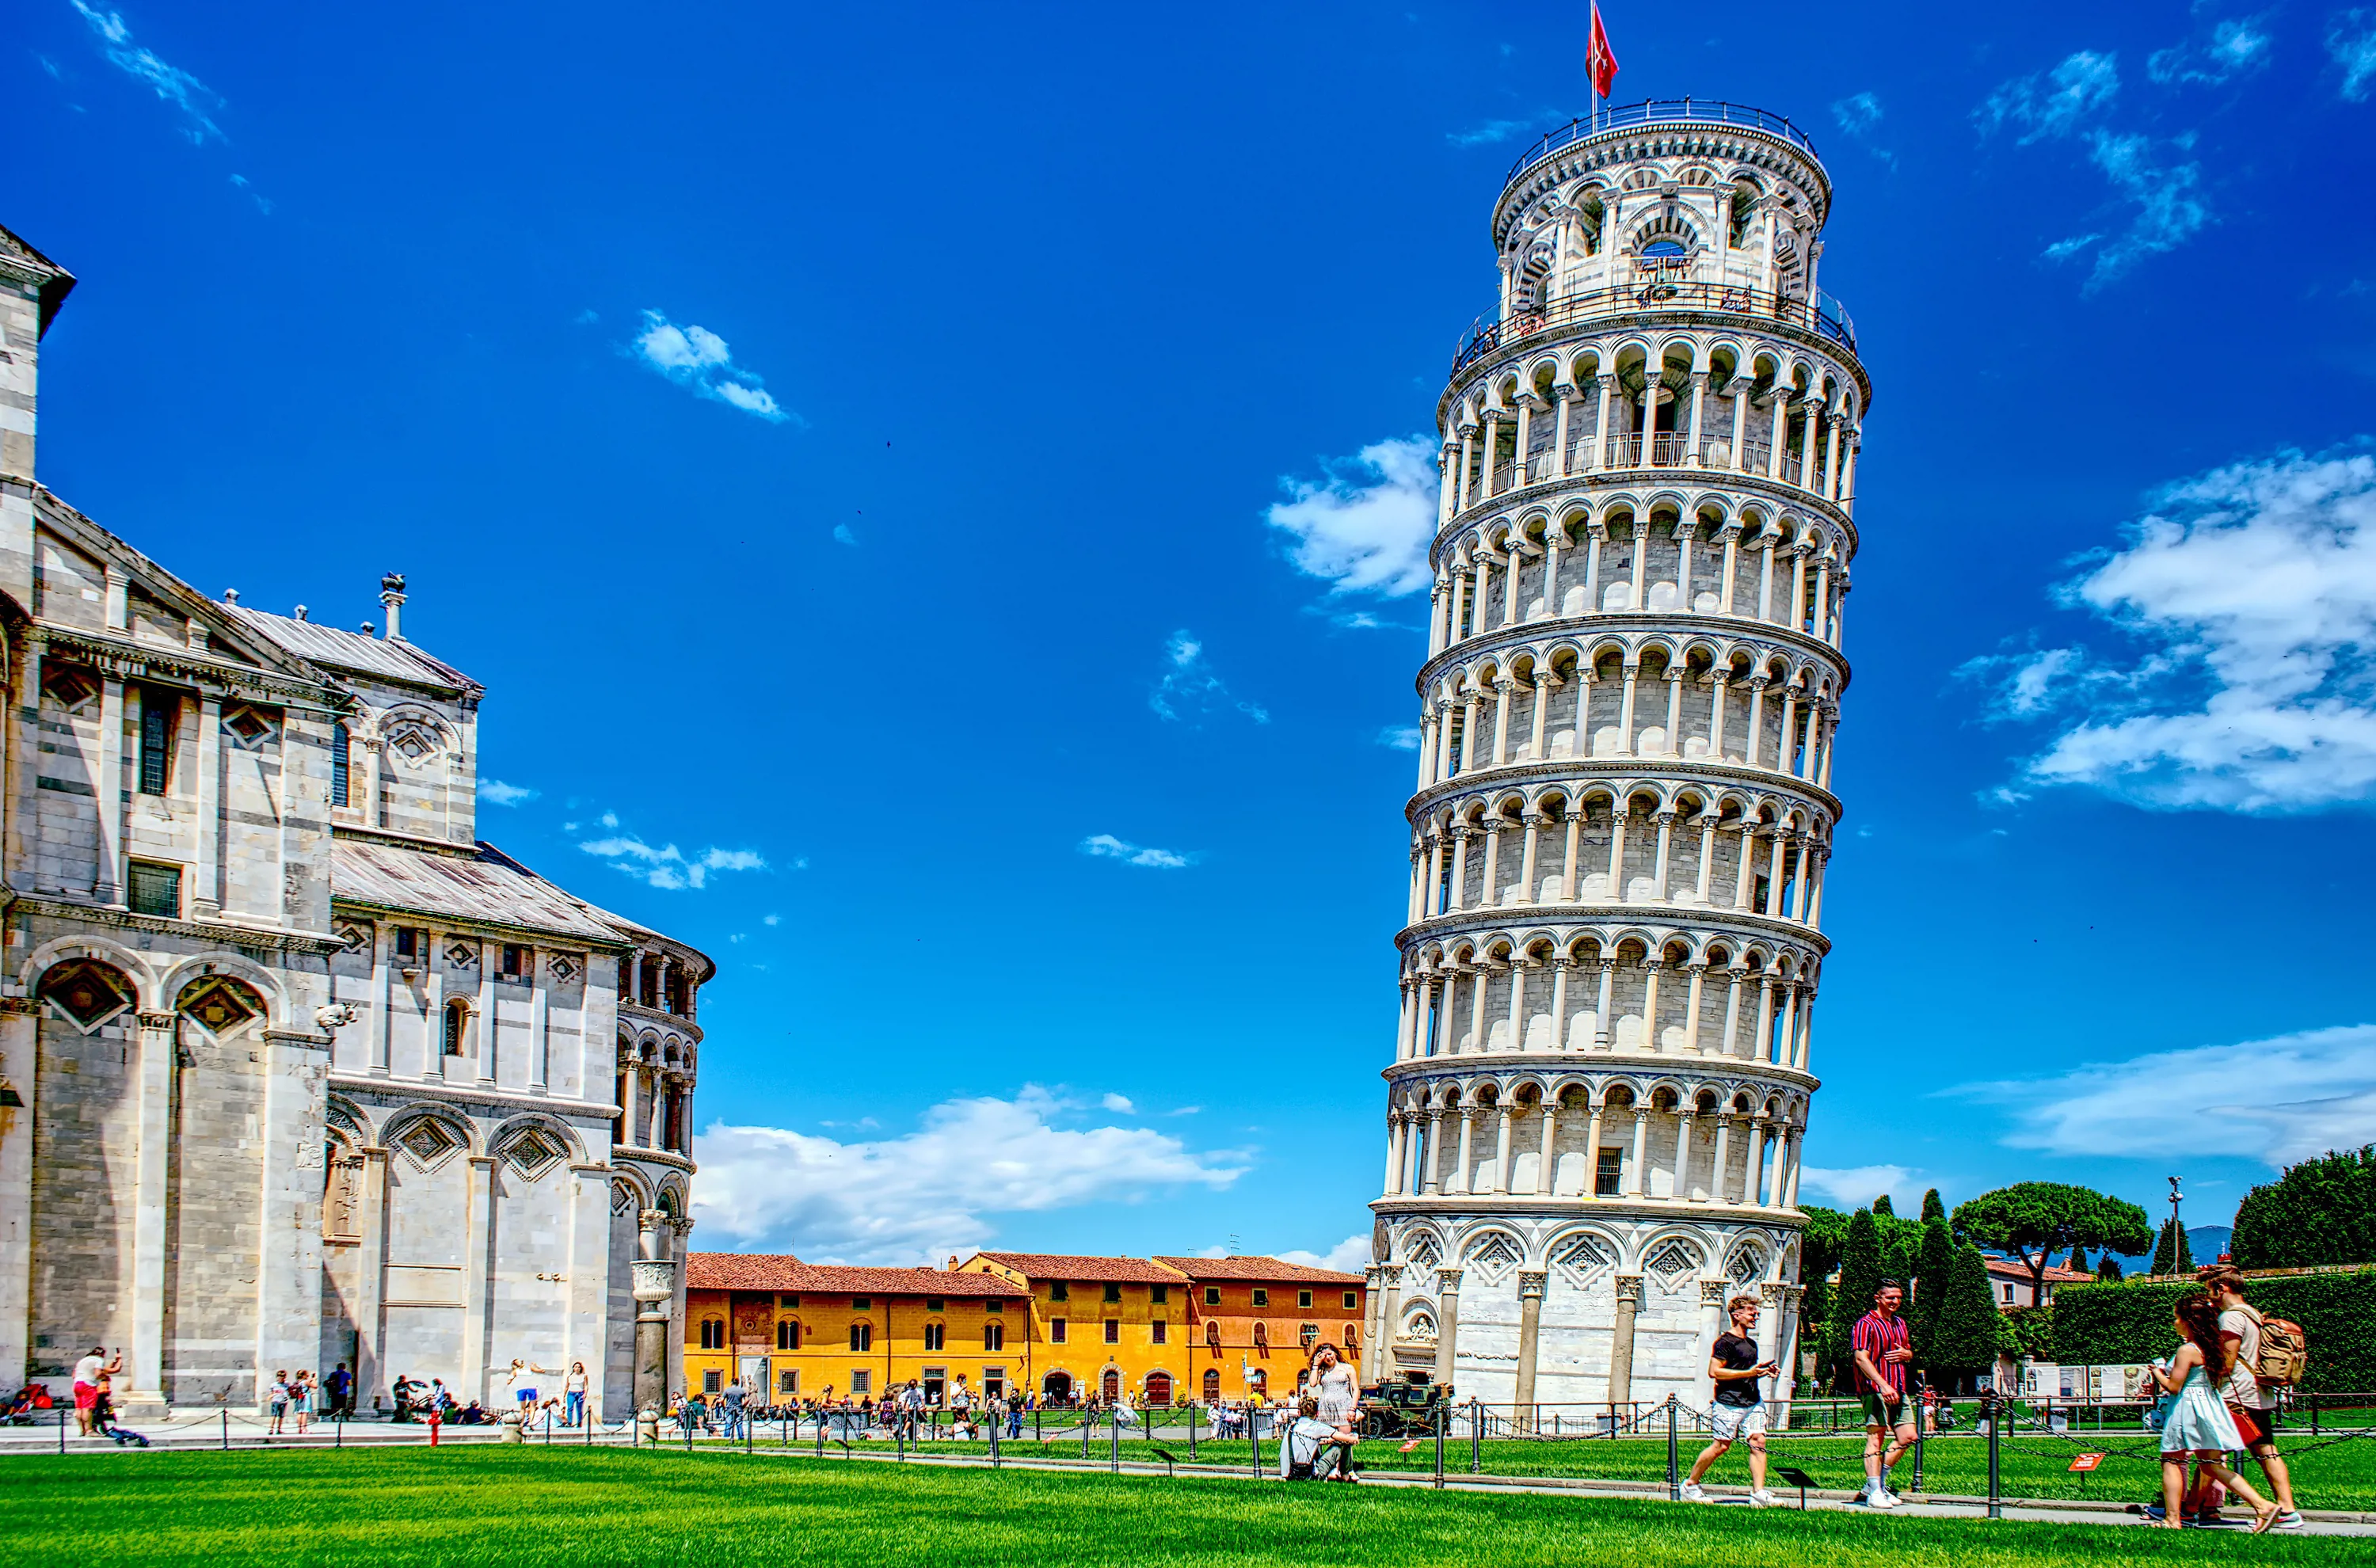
{"x":1653,"y":111}
{"x":1826,"y":317}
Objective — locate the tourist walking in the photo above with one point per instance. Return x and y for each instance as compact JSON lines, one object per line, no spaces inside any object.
{"x":2198,"y":1425}
{"x":732,"y":1401}
{"x":1738,"y":1411}
{"x":1882,"y":1349}
{"x":277,"y":1402}
{"x":341,"y":1386}
{"x":572,"y":1388}
{"x":2251,"y":1405}
{"x":301,"y":1399}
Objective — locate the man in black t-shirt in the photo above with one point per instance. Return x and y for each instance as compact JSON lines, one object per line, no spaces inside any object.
{"x":1738,"y":1410}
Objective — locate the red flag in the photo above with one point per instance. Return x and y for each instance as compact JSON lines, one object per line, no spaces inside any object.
{"x":1599,"y":61}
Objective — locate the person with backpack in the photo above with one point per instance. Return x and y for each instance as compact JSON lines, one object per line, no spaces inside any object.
{"x":2270,"y":1354}
{"x":2197,"y":1425}
{"x":1307,"y":1446}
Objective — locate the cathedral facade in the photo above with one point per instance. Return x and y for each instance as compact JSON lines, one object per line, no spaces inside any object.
{"x":294,"y":1069}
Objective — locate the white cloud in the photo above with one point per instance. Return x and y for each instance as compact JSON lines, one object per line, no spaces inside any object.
{"x":172,"y":84}
{"x":667,"y":866}
{"x":1399,"y":737}
{"x":1366,"y":527}
{"x":2274,"y":1100}
{"x":1350,"y":1255}
{"x":698,"y":359}
{"x":841,"y":535}
{"x":2051,"y":103}
{"x":1856,"y":1186}
{"x":917,"y":1198}
{"x":775,"y":919}
{"x":2233,"y":47}
{"x":1860,"y":116}
{"x":1119,"y":1104}
{"x":1188,"y":689}
{"x":1105,"y":846}
{"x":2168,"y":196}
{"x":2250,"y":592}
{"x":1487,"y":134}
{"x":500,"y":793}
{"x":2352,"y":45}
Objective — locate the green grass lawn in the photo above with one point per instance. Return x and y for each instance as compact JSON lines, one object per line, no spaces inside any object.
{"x":481,"y":1505}
{"x":2033,"y":1464}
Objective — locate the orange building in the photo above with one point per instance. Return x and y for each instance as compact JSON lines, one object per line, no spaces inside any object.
{"x":809,"y":1331}
{"x":1102,"y":1327}
{"x":1254,"y":1321}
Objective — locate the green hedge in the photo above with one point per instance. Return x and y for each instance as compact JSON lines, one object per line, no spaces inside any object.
{"x":2098,"y":1325}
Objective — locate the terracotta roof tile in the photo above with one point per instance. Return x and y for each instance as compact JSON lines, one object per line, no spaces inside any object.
{"x":1263,"y":1270}
{"x":782,"y":1272}
{"x":1068,"y":1266}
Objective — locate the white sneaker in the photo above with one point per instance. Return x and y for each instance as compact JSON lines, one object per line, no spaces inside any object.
{"x":1693,"y":1493}
{"x":1761,"y":1498}
{"x":1882,"y":1499}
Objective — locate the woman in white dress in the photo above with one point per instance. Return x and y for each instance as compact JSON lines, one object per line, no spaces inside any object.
{"x":2197,"y":1425}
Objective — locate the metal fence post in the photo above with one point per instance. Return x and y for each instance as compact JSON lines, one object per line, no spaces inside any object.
{"x":1996,"y":1484}
{"x":1476,"y":1437}
{"x":1919,"y":1435}
{"x":1192,"y":1434}
{"x":226,"y":1431}
{"x":1674,"y":1456}
{"x":1441,"y":1412}
{"x":1113,"y":1423}
{"x":1253,"y":1435}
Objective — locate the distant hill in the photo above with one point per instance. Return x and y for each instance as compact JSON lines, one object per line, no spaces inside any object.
{"x":2205,"y":1241}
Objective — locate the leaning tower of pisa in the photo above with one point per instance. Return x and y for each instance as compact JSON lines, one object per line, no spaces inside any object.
{"x":1624,"y":810}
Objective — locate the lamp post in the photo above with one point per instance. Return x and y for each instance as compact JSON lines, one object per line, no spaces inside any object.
{"x":2176,"y":1231}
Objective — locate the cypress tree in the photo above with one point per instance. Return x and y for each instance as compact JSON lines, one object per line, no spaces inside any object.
{"x":1931,"y":1208}
{"x":1881,"y":1207}
{"x":1964,"y":1335}
{"x":2172,"y":1255}
{"x":1859,"y":1277}
{"x":1933,"y":1277}
{"x":2078,"y":1263}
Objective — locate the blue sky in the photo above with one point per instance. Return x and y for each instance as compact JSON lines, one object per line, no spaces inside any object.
{"x":926,"y":490}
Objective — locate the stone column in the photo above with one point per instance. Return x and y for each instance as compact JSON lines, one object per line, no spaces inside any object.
{"x":1547,"y":1162}
{"x":1634,"y":1184}
{"x":477,"y":1260}
{"x":1530,"y":1327}
{"x":19,"y":1051}
{"x":1466,"y":1173}
{"x":1381,"y":1348}
{"x":1501,"y":1183}
{"x":144,"y":1370}
{"x":1434,"y":1184}
{"x":1591,"y":1154}
{"x":1713,"y":1321}
{"x":490,"y":954}
{"x":655,"y":1292}
{"x":1718,"y":1183}
{"x":1447,"y":1322}
{"x":1621,"y":1346}
{"x":205,"y":894}
{"x":371,"y":1283}
{"x":107,"y":777}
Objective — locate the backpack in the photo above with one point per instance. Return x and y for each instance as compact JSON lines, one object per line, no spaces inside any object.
{"x":2285,"y":1352}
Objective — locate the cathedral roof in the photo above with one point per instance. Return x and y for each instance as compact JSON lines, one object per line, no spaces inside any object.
{"x":389,"y":656}
{"x":480,"y":884}
{"x":54,"y":281}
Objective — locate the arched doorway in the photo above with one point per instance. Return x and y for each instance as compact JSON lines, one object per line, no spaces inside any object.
{"x":1158,"y":1388}
{"x":1212,"y":1385}
{"x":1056,"y":1388}
{"x":1110,"y":1386}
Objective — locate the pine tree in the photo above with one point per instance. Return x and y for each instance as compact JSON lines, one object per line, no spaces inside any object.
{"x":1933,"y":1276}
{"x":1931,"y":1208}
{"x":1964,"y":1334}
{"x":1881,"y":1207}
{"x":2109,"y":1270}
{"x":2078,"y":1261}
{"x":2172,"y":1255}
{"x":1859,"y":1277}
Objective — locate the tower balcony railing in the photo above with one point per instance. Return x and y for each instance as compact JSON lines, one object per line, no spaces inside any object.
{"x":1824,"y":316}
{"x":1655,"y":111}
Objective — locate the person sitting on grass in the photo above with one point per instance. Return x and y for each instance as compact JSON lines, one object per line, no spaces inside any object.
{"x":2198,"y":1424}
{"x":1307,"y":1447}
{"x":1738,"y":1410}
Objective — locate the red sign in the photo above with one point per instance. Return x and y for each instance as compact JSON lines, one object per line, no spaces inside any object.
{"x":2087,"y":1461}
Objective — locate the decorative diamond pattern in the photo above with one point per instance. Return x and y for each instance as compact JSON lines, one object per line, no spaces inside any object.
{"x":248,"y":726}
{"x":1580,"y":1260}
{"x":1423,"y":1253}
{"x":68,"y":685}
{"x":1493,"y":1255}
{"x":462,"y":956}
{"x":533,"y":1153}
{"x":413,"y":741}
{"x":1673,"y":1262}
{"x":219,"y":1006}
{"x":427,"y":1142}
{"x":564,"y":968}
{"x":1748,"y":1262}
{"x":89,"y":992}
{"x":354,"y":938}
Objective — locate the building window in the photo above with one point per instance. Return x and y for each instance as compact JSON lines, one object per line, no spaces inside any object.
{"x":1352,"y":1300}
{"x":1158,"y":1388}
{"x":713,"y":1334}
{"x":862,"y":1382}
{"x":1303,"y":1298}
{"x":788,"y":1383}
{"x":787,"y":1335}
{"x":407,"y":942}
{"x":993,"y":1336}
{"x":993,"y":1306}
{"x":1212,"y":1386}
{"x":1057,"y":1292}
{"x":517,"y":961}
{"x":862,"y":1303}
{"x":993,"y":1383}
{"x":932,"y":1303}
{"x":457,"y":1022}
{"x":1212,"y":1334}
{"x":936,"y":1336}
{"x":1114,"y":1331}
{"x":155,"y":890}
{"x":1308,"y":1336}
{"x":1113,"y":1293}
{"x":1055,"y":1331}
{"x":787,"y":1301}
{"x":861,"y":1336}
{"x":158,"y":711}
{"x":712,"y":1380}
{"x":1261,"y":1335}
{"x":1352,"y":1339}
{"x":1262,"y":1298}
{"x":343,"y":748}
{"x":1212,"y":1295}
{"x":1159,"y":1332}
{"x":1609,"y":1175}
{"x":1158,"y":1294}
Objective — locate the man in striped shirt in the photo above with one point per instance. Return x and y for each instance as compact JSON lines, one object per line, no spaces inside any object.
{"x":1883,"y":1352}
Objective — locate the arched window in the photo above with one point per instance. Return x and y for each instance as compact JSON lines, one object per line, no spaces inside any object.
{"x":1212,"y":1384}
{"x":787,"y":1335}
{"x":1352,"y":1339}
{"x":341,"y":753}
{"x":1213,"y":1334}
{"x":1308,"y":1336}
{"x":458,"y":1024}
{"x":936,"y":1336}
{"x":1110,"y":1387}
{"x":993,"y":1336}
{"x":861,"y":1336}
{"x":1261,"y":1335}
{"x":713,"y":1334}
